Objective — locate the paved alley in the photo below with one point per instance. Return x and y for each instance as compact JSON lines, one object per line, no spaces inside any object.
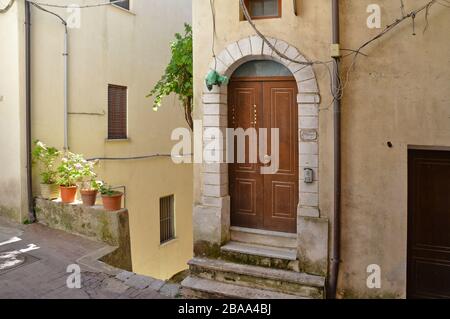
{"x":34,"y":263}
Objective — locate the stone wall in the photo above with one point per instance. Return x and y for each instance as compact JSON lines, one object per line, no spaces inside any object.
{"x":95,"y":223}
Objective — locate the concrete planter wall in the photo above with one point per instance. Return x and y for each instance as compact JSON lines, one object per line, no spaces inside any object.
{"x":111,"y":228}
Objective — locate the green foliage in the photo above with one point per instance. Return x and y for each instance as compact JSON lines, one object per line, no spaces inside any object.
{"x":88,"y":175}
{"x":178,"y":76}
{"x":45,"y":157}
{"x":106,"y":190}
{"x":73,"y":169}
{"x":96,"y":185}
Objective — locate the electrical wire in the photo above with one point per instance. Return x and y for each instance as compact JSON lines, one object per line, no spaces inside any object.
{"x":38,"y":6}
{"x":133,"y":158}
{"x":7,"y":7}
{"x":338,"y":94}
{"x":81,"y":7}
{"x":213,"y":49}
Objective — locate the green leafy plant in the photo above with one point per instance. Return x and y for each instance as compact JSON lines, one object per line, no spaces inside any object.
{"x":73,"y":169}
{"x":96,"y":185}
{"x":45,"y":157}
{"x":88,"y":175}
{"x":178,"y":76}
{"x":106,"y":190}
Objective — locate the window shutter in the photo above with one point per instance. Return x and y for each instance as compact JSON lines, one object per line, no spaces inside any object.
{"x":117,"y":112}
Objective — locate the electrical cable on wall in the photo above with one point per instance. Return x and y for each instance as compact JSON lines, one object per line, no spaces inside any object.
{"x":355,"y":53}
{"x":133,"y":158}
{"x":7,"y":7}
{"x":81,"y":7}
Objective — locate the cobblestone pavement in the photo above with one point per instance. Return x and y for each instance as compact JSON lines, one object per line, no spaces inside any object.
{"x":34,"y":261}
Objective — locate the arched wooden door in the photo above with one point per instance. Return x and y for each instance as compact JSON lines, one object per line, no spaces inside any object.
{"x":259,"y":201}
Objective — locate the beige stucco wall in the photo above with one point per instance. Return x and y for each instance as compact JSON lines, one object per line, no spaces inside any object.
{"x":399,"y":94}
{"x":114,"y":46}
{"x":12,"y":106}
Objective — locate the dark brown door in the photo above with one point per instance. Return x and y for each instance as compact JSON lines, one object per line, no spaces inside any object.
{"x":265,"y":201}
{"x":429,"y":224}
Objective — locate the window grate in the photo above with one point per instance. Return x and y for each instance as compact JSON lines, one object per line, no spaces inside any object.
{"x":117,"y":112}
{"x":166,"y":213}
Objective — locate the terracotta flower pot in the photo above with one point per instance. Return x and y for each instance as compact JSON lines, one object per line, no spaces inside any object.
{"x":68,"y":194}
{"x":88,"y":197}
{"x":112,"y":202}
{"x":49,"y":191}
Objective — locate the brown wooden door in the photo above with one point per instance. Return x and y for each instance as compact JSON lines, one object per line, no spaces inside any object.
{"x":265,"y":201}
{"x":429,"y":224}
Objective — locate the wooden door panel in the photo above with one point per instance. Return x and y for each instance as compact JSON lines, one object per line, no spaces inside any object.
{"x":246,"y":182}
{"x":281,"y":189}
{"x":265,"y":201}
{"x":284,"y":116}
{"x":429,"y":224}
{"x":283,"y":203}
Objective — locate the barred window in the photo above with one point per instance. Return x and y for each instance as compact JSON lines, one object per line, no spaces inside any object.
{"x":167,"y":223}
{"x":117,"y":112}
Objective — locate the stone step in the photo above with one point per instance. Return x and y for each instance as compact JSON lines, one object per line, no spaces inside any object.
{"x":199,"y":288}
{"x":263,"y":237}
{"x":260,"y":255}
{"x":260,"y":250}
{"x":282,"y":281}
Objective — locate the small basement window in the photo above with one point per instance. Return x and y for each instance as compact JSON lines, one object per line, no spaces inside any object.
{"x":124,"y":4}
{"x":117,"y":112}
{"x":264,"y":9}
{"x":166,"y":218}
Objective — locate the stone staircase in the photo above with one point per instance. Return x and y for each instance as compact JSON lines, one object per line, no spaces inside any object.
{"x":255,"y":264}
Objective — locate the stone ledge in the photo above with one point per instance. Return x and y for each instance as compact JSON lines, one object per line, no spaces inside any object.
{"x":94,"y":223}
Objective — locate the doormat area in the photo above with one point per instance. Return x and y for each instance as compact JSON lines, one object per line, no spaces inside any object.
{"x":13,"y":259}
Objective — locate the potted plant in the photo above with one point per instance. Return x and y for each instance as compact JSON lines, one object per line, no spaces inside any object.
{"x":46,"y":156}
{"x":112,"y":200}
{"x":89,"y":186}
{"x":89,"y":191}
{"x":70,"y":172}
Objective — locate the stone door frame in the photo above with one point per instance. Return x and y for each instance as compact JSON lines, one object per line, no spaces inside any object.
{"x":212,"y":215}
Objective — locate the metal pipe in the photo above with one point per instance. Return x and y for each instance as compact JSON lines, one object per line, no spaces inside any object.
{"x":66,"y":71}
{"x":66,"y":88}
{"x":31,"y":213}
{"x":336,"y":230}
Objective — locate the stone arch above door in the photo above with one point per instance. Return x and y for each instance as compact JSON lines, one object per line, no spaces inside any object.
{"x":212,"y":215}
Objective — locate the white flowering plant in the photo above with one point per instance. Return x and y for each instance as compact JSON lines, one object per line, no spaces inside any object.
{"x":73,"y":169}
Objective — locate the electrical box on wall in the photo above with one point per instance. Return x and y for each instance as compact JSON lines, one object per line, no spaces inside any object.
{"x":309,"y":176}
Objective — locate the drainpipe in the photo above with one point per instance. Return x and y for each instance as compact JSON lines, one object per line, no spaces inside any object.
{"x":336,"y":231}
{"x":31,"y":213}
{"x":66,"y":72}
{"x":66,"y":87}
